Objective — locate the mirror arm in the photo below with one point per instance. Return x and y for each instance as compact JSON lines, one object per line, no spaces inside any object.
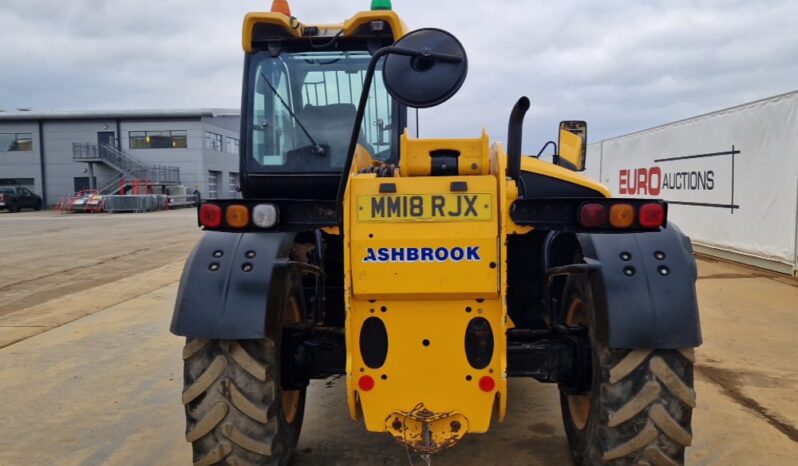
{"x":361,"y":109}
{"x":544,"y":148}
{"x":425,"y":53}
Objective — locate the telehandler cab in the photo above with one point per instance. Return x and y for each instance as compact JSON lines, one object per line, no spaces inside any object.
{"x":426,"y":271}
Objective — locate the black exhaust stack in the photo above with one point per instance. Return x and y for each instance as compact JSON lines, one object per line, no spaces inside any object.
{"x":515,"y":136}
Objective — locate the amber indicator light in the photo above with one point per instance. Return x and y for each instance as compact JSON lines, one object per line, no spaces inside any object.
{"x":237,"y":216}
{"x":622,"y":215}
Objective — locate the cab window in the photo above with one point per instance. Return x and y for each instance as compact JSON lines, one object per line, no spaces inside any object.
{"x":302,"y":97}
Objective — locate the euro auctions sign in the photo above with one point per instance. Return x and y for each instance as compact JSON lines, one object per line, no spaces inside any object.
{"x":705,"y":180}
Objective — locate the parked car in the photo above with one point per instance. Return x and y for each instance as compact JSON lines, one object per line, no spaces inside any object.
{"x":14,"y":198}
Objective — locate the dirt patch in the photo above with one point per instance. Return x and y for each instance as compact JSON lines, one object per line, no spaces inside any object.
{"x":731,"y":385}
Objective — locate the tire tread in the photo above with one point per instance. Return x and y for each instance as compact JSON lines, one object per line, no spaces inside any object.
{"x":662,"y":406}
{"x":641,"y":400}
{"x":227,"y":405}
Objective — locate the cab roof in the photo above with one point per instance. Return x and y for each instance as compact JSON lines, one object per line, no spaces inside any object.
{"x":266,"y":26}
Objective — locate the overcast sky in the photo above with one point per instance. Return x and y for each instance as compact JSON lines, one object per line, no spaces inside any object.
{"x":621,"y":65}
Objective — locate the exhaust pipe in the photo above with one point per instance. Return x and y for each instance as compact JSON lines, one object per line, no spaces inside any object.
{"x":515,"y":135}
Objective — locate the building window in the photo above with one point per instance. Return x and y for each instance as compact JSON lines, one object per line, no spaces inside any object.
{"x":214,"y":141}
{"x":24,"y":182}
{"x":16,"y":142}
{"x":214,"y":180}
{"x":219,"y":143}
{"x":170,"y":139}
{"x":232,"y":146}
{"x":232,"y":183}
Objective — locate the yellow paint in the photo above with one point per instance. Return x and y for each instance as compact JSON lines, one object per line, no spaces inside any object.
{"x":428,"y":300}
{"x":277,"y":19}
{"x":571,"y":148}
{"x":498,"y":165}
{"x":399,"y":278}
{"x":398,"y":26}
{"x":533,"y":165}
{"x":294,"y":26}
{"x":415,"y":159}
{"x":435,"y":375}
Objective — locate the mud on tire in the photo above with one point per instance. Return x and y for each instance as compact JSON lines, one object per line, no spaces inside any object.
{"x":640,"y":404}
{"x":236,"y":410}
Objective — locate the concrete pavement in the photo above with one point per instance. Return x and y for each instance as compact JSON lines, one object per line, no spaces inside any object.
{"x":89,"y":374}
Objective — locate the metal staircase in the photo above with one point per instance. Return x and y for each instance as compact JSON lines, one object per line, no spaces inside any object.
{"x":128,"y":168}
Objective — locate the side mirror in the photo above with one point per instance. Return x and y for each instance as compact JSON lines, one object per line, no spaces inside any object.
{"x":572,"y":145}
{"x":426,"y":68}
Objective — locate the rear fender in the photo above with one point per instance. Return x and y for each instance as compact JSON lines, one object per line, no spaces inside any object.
{"x":640,"y":300}
{"x":218,"y":298}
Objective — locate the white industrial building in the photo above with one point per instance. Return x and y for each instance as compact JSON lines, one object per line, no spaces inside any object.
{"x":56,"y":153}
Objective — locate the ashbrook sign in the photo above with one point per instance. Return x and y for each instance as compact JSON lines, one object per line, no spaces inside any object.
{"x":705,"y":180}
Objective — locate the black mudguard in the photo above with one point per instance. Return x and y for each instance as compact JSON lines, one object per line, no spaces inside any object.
{"x":229,"y":302}
{"x":643,"y":302}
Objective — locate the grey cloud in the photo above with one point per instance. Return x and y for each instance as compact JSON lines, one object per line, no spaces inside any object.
{"x":621,"y":65}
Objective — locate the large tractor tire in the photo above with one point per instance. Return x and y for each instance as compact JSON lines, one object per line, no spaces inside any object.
{"x":236,"y":411}
{"x":639,"y":407}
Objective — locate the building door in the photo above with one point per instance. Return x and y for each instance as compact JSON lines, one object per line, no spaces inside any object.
{"x":214,"y":181}
{"x":232,"y":185}
{"x":81,"y":183}
{"x":105,"y":138}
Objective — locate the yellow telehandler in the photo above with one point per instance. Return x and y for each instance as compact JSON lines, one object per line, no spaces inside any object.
{"x":425,"y":271}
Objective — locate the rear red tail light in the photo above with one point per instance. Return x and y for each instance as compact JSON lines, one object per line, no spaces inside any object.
{"x":652,"y":215}
{"x":2,"y":197}
{"x":592,"y":215}
{"x":366,"y":383}
{"x":487,"y":384}
{"x":210,"y":215}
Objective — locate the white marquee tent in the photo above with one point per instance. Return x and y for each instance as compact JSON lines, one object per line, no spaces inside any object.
{"x":731,"y":178}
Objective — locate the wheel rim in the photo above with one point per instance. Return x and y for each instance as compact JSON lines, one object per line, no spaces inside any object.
{"x":578,"y":405}
{"x":290,"y":398}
